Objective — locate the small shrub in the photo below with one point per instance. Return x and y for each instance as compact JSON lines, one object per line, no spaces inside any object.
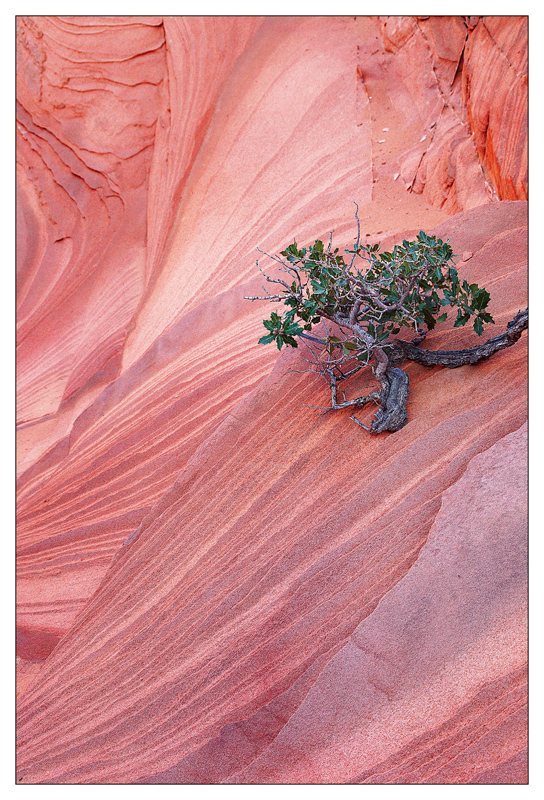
{"x":364,"y":298}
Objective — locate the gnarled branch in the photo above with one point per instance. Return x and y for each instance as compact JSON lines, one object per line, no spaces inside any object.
{"x":400,"y":350}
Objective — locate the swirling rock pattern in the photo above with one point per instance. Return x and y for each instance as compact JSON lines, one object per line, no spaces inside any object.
{"x":216,"y":583}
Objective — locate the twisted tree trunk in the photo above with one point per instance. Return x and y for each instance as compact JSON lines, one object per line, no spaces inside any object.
{"x":392,"y":415}
{"x":395,"y":383}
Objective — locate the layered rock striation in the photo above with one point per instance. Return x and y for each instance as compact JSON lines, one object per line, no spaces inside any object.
{"x":217,"y":584}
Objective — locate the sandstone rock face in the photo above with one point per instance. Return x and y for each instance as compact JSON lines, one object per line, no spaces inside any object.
{"x":216,"y":583}
{"x":465,"y":82}
{"x":497,"y":104}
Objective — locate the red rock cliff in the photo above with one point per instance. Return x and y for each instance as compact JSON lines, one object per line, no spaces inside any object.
{"x":215,"y":584}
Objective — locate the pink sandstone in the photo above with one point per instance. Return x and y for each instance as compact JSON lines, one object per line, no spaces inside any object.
{"x":214,"y":583}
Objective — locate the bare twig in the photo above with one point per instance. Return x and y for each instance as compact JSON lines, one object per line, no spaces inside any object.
{"x":358,"y":240}
{"x":273,"y":280}
{"x":354,"y":418}
{"x":274,"y":298}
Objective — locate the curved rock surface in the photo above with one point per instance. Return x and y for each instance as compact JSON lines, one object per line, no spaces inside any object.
{"x":216,"y":583}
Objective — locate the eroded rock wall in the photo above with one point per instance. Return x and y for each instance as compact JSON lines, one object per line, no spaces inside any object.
{"x":465,"y":80}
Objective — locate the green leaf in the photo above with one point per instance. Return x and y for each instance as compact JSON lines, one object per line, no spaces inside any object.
{"x":428,"y":317}
{"x":482,"y":299}
{"x":350,"y":346}
{"x":442,"y":318}
{"x":266,"y":339}
{"x":462,"y":319}
{"x":478,"y":326}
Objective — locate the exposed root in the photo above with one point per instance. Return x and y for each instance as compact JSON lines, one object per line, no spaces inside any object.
{"x":392,"y":399}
